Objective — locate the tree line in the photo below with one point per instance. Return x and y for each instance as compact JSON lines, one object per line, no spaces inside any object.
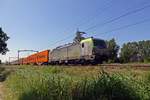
{"x":129,"y":52}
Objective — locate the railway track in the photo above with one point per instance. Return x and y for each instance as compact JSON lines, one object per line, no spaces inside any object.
{"x":107,"y":65}
{"x":145,"y":67}
{"x":126,"y":65}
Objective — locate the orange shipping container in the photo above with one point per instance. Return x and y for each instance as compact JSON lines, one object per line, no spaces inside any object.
{"x":32,"y":59}
{"x":43,"y":56}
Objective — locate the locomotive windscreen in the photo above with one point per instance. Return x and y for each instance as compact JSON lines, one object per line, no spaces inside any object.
{"x":101,"y":44}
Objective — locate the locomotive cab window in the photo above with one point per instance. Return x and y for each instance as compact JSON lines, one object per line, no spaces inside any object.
{"x":82,"y":45}
{"x":99,"y":43}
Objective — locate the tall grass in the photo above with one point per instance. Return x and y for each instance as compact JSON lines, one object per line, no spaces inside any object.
{"x":58,"y":84}
{"x":1,"y":69}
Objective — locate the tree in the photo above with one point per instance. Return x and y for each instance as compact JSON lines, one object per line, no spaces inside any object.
{"x":113,"y":49}
{"x":136,"y":52}
{"x":129,"y":52}
{"x":3,"y":44}
{"x":144,"y":50}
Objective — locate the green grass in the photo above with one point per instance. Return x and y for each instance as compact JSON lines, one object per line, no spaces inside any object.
{"x":77,"y":83}
{"x":1,"y":69}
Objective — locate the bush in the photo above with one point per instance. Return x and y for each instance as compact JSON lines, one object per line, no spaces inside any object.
{"x":147,"y":60}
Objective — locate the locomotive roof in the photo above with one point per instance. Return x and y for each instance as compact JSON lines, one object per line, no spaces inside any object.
{"x":70,"y":44}
{"x":66,"y":45}
{"x":89,"y":39}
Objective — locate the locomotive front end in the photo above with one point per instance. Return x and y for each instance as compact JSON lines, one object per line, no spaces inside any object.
{"x":99,"y":50}
{"x":94,"y":50}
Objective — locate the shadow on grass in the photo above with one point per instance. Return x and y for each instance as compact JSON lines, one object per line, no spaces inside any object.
{"x":31,"y":95}
{"x":3,"y":74}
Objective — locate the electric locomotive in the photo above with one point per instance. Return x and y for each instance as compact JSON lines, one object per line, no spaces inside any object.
{"x":87,"y":51}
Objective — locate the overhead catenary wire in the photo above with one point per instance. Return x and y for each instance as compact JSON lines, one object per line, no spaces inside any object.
{"x":66,"y":38}
{"x":119,"y":17}
{"x":116,"y":29}
{"x":82,"y":23}
{"x":107,"y":22}
{"x":125,"y":26}
{"x":102,"y":10}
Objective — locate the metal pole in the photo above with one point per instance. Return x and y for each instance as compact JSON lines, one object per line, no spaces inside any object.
{"x":12,"y":58}
{"x":24,"y":51}
{"x":18,"y":57}
{"x":9,"y":60}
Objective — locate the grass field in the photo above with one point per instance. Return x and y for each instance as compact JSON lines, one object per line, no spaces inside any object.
{"x":78,"y":83}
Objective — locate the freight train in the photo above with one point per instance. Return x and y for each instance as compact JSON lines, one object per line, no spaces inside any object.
{"x":87,"y":51}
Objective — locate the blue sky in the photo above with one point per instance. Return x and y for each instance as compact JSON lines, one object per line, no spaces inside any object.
{"x":37,"y":24}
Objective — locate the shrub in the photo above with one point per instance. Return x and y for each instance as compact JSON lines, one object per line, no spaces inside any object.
{"x":106,"y":87}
